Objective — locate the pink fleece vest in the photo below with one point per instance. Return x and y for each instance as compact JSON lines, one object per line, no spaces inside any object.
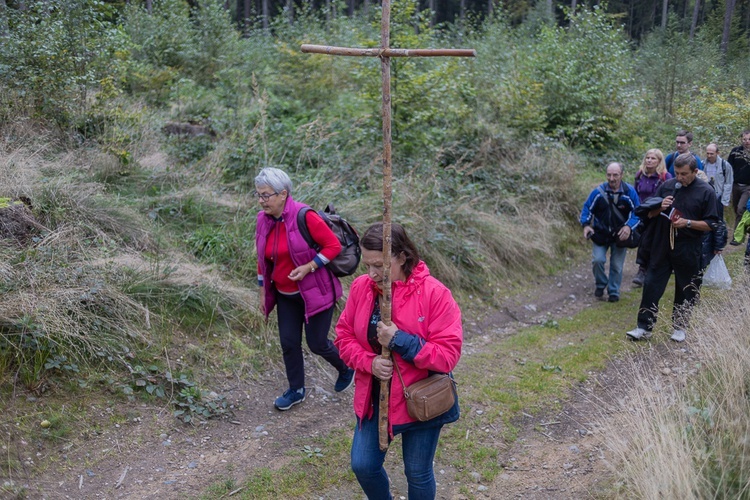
{"x":320,"y":290}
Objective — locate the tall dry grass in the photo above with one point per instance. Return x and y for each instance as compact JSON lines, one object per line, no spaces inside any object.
{"x":97,"y":286}
{"x":688,"y":436}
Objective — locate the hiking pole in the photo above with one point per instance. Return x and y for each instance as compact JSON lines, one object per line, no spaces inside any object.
{"x":385,"y":307}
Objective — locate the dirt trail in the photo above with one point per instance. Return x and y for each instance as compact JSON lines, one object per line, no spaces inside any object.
{"x":149,"y":455}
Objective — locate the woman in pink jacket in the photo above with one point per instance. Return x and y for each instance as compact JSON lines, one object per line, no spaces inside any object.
{"x":425,"y":336}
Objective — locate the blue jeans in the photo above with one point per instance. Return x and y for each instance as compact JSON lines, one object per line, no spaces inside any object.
{"x":616,"y":262}
{"x":418,"y":447}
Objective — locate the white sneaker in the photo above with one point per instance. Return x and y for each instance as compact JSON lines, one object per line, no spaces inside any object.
{"x":678,"y":336}
{"x":638,"y":334}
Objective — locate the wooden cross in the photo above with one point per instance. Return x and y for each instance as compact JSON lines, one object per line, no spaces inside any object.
{"x":385,"y":53}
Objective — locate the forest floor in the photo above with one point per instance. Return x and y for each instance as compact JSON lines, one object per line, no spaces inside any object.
{"x":143,"y":452}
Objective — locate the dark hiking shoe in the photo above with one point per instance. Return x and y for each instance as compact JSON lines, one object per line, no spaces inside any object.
{"x":640,"y":278}
{"x":344,"y":381}
{"x":613,"y":298}
{"x":290,"y":398}
{"x":599,"y":293}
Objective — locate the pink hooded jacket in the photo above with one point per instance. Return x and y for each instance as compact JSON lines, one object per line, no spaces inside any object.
{"x":421,"y":306}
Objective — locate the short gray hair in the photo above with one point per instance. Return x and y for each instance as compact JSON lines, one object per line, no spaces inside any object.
{"x":274,"y":177}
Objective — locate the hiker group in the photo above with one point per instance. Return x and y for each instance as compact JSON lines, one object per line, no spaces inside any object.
{"x":299,"y":261}
{"x":673,"y":214}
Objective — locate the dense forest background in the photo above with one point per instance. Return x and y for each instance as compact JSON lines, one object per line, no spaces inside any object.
{"x":132,"y":133}
{"x":486,"y":150}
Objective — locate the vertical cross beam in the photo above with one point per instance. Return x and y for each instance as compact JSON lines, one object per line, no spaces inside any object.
{"x":386,"y":53}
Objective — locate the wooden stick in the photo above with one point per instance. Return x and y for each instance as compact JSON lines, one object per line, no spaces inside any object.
{"x":122,"y":477}
{"x":386,"y":52}
{"x":385,"y":306}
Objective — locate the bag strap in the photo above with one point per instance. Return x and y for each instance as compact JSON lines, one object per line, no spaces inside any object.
{"x":403,"y":386}
{"x":614,"y":208}
{"x":304,"y":230}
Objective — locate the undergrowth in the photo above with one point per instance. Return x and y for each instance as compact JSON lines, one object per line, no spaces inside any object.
{"x":696,"y":433}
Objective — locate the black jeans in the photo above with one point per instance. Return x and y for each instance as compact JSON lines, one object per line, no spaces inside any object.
{"x":290,"y":310}
{"x":685,"y":261}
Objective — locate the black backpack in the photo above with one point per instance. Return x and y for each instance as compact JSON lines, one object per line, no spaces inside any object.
{"x":347,"y":261}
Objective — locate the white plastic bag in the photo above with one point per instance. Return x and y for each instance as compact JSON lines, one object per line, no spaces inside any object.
{"x":717,"y":274}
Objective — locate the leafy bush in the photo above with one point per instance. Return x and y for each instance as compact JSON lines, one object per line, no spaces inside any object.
{"x":583,"y":71}
{"x":716,"y":114}
{"x":53,"y":74}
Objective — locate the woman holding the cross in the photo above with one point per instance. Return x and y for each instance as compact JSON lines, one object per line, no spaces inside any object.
{"x":425,"y":336}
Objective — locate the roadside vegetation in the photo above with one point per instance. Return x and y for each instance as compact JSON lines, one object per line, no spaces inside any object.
{"x":696,"y":435}
{"x":128,"y":145}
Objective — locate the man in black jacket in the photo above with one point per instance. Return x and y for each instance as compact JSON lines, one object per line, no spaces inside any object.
{"x":688,"y":209}
{"x":739,"y":159}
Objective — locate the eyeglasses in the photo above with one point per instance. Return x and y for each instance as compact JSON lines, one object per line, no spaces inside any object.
{"x":681,"y":142}
{"x":263,"y":196}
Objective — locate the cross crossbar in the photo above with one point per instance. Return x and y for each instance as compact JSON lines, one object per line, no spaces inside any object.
{"x":384,"y":52}
{"x":378,"y":52}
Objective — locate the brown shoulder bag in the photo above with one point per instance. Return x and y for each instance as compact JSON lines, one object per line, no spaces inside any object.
{"x":430,"y":397}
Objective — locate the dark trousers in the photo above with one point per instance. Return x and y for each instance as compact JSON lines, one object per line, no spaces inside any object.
{"x":740,"y":195}
{"x":290,"y":310}
{"x":685,"y":261}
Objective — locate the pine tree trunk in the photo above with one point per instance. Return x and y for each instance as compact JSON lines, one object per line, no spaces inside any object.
{"x":573,"y":7}
{"x":3,"y":19}
{"x":149,"y":6}
{"x":694,"y":22}
{"x":727,"y":27}
{"x":664,"y":14}
{"x":290,"y":11}
{"x":266,"y":13}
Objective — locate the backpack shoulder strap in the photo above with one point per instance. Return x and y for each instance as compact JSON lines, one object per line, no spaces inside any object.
{"x":669,"y":160}
{"x":303,"y":229}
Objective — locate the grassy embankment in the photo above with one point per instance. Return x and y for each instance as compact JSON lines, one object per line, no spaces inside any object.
{"x":137,"y":283}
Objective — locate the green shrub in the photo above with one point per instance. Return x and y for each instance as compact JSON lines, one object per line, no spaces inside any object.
{"x":583,"y":72}
{"x":716,"y":114}
{"x":53,"y":74}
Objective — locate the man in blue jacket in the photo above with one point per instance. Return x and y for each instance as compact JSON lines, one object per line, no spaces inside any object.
{"x":608,"y":216}
{"x":683,"y":141}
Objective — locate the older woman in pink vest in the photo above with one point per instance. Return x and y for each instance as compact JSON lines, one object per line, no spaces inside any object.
{"x":292,"y":278}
